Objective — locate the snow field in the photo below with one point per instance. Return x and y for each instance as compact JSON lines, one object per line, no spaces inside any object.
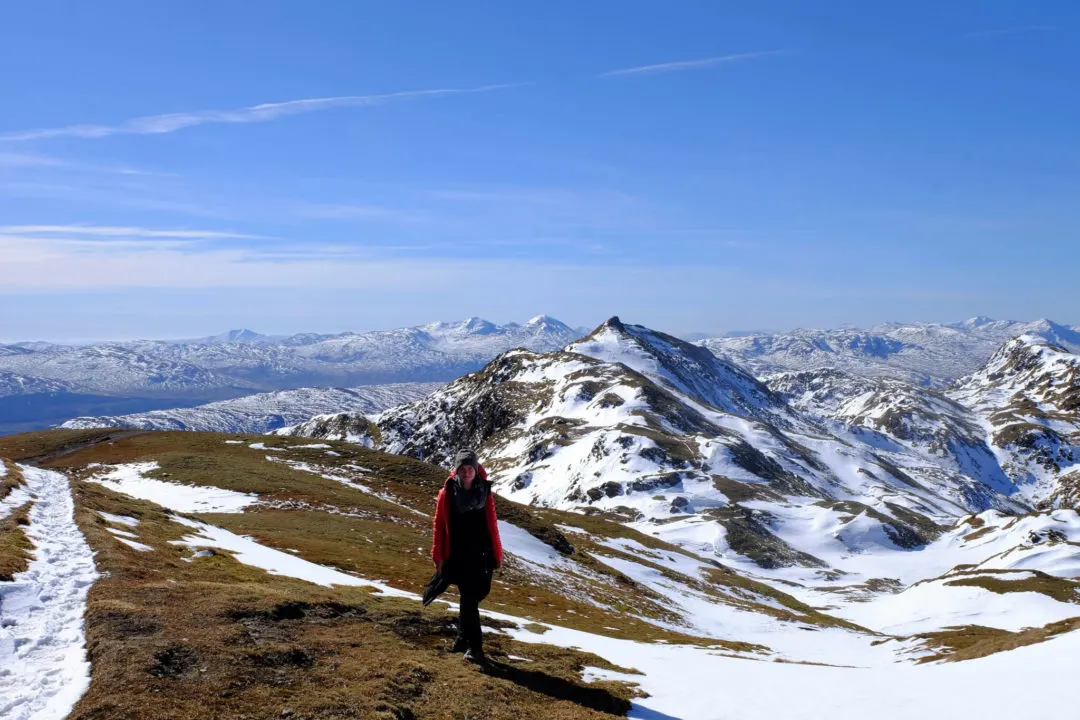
{"x":697,"y":683}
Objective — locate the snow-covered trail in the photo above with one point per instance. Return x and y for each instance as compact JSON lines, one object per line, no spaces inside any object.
{"x":43,"y":665}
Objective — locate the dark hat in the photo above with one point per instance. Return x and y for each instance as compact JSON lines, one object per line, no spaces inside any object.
{"x":466,"y":456}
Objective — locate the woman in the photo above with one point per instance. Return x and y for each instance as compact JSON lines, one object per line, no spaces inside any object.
{"x":465,"y":546}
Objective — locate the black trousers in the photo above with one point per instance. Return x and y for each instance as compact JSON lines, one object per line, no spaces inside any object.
{"x":474,"y":584}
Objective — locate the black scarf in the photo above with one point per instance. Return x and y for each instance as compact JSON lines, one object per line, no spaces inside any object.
{"x":472,"y":499}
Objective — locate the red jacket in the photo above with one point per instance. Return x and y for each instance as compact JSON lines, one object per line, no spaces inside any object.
{"x":440,"y":540}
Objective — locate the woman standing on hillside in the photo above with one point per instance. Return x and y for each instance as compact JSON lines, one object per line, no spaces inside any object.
{"x":465,"y":547}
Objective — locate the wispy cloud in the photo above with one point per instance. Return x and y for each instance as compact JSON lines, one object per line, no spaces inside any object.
{"x":698,"y":64}
{"x":158,"y":124}
{"x":110,"y":231}
{"x":1021,"y":29}
{"x":35,"y":160}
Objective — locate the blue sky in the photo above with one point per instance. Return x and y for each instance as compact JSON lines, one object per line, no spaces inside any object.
{"x":176,"y":169}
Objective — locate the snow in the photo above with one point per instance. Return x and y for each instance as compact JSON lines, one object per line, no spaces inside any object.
{"x":694,"y":682}
{"x":275,"y":562}
{"x":43,"y":665}
{"x":350,"y":482}
{"x":119,"y":519}
{"x":16,"y":498}
{"x":130,"y":480}
{"x":524,"y":546}
{"x":135,"y":545}
{"x":934,"y":605}
{"x":123,"y":533}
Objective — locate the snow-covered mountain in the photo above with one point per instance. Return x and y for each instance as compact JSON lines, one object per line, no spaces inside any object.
{"x":920,"y":353}
{"x":1013,"y":423}
{"x":866,"y":495}
{"x":12,"y":384}
{"x":1028,"y":399}
{"x":264,"y":412}
{"x":241,"y":362}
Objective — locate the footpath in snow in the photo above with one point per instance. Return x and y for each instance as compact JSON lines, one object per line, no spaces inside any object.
{"x":43,"y":665}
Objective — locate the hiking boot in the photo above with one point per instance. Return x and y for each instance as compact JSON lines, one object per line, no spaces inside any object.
{"x":460,"y":645}
{"x":475,"y":656}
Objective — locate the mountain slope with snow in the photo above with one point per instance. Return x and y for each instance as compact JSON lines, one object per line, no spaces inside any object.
{"x":709,"y":453}
{"x":1028,"y":399}
{"x":857,"y":494}
{"x":264,"y":412}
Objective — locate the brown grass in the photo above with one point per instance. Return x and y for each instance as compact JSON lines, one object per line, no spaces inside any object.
{"x":215,"y":638}
{"x":1061,"y":589}
{"x":30,"y":446}
{"x":11,"y":480}
{"x":15,"y":547}
{"x":975,"y":641}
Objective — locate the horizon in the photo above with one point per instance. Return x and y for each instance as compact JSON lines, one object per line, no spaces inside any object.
{"x":167,"y":168}
{"x":692,"y":336}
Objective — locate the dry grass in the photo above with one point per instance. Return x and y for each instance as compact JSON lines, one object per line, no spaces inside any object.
{"x":215,"y":638}
{"x":31,"y":446}
{"x":1061,"y":589}
{"x":975,"y":641}
{"x":11,"y":479}
{"x":15,"y":547}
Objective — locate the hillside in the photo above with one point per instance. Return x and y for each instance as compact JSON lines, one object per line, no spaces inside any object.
{"x":244,"y":576}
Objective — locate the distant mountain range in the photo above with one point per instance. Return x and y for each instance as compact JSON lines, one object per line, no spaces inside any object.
{"x":264,"y":412}
{"x":923,"y":353}
{"x":43,"y":384}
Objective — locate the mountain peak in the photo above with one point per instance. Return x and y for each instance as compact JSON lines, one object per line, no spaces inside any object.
{"x":978,"y":321}
{"x":546,"y":323}
{"x":477,"y":326}
{"x":613,"y":323}
{"x":679,"y":365}
{"x":242,"y":335}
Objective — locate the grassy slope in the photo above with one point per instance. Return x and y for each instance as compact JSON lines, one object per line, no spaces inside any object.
{"x":14,"y":546}
{"x":215,"y":638}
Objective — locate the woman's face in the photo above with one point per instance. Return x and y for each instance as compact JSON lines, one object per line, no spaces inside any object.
{"x":466,"y":473}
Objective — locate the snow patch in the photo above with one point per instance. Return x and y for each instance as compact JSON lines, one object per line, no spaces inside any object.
{"x":275,"y":562}
{"x":129,"y":479}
